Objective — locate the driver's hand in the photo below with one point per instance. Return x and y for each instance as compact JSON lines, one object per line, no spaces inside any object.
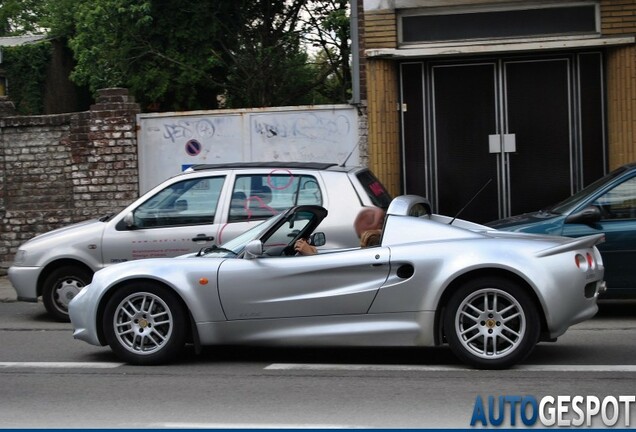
{"x":302,"y":247}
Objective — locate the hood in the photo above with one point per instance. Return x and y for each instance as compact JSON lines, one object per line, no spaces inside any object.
{"x":540,"y":222}
{"x":88,"y":229}
{"x":77,"y":241}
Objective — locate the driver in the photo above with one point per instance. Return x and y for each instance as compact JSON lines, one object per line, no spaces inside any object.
{"x":368,"y":225}
{"x":303,"y":247}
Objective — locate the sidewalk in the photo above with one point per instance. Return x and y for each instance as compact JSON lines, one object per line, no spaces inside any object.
{"x":7,"y":293}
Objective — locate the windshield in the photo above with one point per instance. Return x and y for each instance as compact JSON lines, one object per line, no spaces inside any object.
{"x":567,"y":205}
{"x":235,"y":246}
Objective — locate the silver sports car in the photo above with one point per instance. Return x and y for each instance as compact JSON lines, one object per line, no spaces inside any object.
{"x":490,"y":295}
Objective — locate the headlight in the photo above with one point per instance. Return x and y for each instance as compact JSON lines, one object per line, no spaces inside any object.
{"x":20,"y":257}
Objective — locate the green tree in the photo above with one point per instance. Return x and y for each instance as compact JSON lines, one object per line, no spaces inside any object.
{"x":19,"y":17}
{"x":26,"y":70}
{"x":159,"y":49}
{"x":269,"y":65}
{"x":327,"y":29}
{"x":184,"y":55}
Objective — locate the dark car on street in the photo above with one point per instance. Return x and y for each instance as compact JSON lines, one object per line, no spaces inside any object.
{"x":606,"y":206}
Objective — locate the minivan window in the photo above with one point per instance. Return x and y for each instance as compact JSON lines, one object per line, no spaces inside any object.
{"x":189,"y":202}
{"x":375,"y":190}
{"x":260,"y":196}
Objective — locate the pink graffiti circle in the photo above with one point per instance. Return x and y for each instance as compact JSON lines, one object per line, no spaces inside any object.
{"x":288,"y":184}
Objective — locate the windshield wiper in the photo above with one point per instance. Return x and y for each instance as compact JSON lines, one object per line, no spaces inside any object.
{"x":106,"y":218}
{"x":215,"y":248}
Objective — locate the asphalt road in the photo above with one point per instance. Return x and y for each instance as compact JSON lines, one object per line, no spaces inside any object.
{"x":47,"y":379}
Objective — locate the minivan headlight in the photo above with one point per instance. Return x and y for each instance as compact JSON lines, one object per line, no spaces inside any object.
{"x":20,"y":257}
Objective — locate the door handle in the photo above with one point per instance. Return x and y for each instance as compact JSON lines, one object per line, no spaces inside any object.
{"x":504,"y":142}
{"x":202,"y":237}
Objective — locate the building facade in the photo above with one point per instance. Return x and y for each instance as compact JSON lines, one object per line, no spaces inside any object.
{"x":531,"y":100}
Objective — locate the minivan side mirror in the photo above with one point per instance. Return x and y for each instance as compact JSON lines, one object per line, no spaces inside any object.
{"x":129,"y":220}
{"x":589,"y":215}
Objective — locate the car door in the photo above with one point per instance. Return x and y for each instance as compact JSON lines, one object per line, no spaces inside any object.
{"x":335,"y":283}
{"x":618,"y":223}
{"x":177,"y":219}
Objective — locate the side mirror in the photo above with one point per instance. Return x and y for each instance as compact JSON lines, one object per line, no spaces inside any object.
{"x":129,"y":220}
{"x":589,"y":215}
{"x":318,"y":239}
{"x":253,"y":249}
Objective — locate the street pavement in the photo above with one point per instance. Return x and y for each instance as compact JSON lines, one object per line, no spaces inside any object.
{"x":7,"y":293}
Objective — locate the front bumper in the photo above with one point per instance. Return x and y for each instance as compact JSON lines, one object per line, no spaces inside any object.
{"x":82,"y":311}
{"x":25,"y":282}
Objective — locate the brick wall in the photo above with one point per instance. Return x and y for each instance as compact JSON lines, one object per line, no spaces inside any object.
{"x":65,"y":168}
{"x":618,"y":17}
{"x":380,"y":29}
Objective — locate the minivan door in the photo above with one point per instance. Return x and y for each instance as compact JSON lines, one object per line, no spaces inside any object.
{"x":179,"y":219}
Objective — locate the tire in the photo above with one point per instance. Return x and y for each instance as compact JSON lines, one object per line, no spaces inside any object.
{"x":60,"y":287}
{"x":491,"y":323}
{"x":145,"y":324}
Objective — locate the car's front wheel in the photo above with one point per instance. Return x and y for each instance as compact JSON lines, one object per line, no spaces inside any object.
{"x":60,"y":287}
{"x":491,"y":323}
{"x":145,"y":323}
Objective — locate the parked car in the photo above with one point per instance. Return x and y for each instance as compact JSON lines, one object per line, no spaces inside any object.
{"x":607,"y":206}
{"x":490,"y":295}
{"x":206,"y":205}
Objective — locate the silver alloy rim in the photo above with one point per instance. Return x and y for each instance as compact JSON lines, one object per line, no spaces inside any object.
{"x":490,"y":323}
{"x":65,"y":291}
{"x":143,"y":323}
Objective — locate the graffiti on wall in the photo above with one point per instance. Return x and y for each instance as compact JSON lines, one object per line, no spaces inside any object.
{"x":169,"y":142}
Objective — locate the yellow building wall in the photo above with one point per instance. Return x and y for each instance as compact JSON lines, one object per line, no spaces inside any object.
{"x":621,"y":105}
{"x":380,"y":30}
{"x":384,"y":124}
{"x":618,"y":17}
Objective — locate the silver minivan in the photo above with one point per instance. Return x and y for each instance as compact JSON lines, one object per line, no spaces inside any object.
{"x":204,"y":206}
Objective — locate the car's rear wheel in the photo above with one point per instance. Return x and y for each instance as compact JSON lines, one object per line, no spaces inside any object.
{"x":491,"y":323}
{"x":60,"y":287}
{"x":145,"y":323}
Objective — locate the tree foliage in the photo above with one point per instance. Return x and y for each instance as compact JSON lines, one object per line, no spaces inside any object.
{"x":19,"y":17}
{"x":159,"y":49}
{"x":268,"y":66}
{"x":185,"y":55}
{"x":26,"y":71}
{"x":326,"y":27}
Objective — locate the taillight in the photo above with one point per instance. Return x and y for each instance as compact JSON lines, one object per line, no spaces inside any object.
{"x":584,"y":262}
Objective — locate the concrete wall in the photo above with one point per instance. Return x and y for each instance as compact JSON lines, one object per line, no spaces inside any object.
{"x":170,"y":142}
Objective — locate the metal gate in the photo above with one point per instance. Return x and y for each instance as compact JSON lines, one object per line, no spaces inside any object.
{"x":530,"y":128}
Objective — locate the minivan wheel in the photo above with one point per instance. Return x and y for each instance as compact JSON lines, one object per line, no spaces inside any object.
{"x":60,"y":287}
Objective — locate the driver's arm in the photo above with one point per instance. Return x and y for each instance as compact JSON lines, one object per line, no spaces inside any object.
{"x":304,"y":248}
